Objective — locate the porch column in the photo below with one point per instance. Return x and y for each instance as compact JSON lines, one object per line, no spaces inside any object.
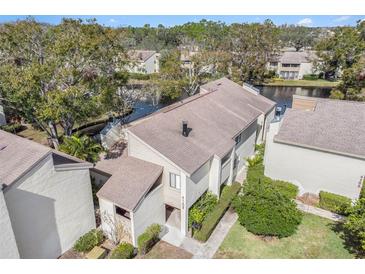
{"x":184,"y":209}
{"x":215,"y":175}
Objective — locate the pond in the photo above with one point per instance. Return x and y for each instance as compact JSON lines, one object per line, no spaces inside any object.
{"x":284,"y":95}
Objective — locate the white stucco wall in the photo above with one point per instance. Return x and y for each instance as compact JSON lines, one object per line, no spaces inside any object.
{"x":138,"y":149}
{"x":305,"y":68}
{"x":197,"y":184}
{"x":50,"y":210}
{"x":150,"y":211}
{"x":313,"y":170}
{"x":8,"y":247}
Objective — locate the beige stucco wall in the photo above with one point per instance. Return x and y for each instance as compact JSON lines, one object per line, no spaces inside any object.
{"x":8,"y":247}
{"x":50,"y":210}
{"x":246,"y":148}
{"x":197,"y":184}
{"x":313,"y":170}
{"x":150,"y":211}
{"x":138,"y":149}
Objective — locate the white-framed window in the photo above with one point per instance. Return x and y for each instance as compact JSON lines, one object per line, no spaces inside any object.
{"x":175,"y":181}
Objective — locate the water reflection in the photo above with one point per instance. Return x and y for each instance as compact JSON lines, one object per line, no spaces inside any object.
{"x":284,"y":95}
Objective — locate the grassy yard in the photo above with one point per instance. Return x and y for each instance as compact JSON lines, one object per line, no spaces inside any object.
{"x":163,"y":250}
{"x":303,"y":83}
{"x":314,"y":239}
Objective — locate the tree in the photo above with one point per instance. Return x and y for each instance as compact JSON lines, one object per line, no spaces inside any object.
{"x":251,"y":46}
{"x":57,"y":74}
{"x":355,"y":225}
{"x":263,"y":210}
{"x":339,"y":51}
{"x":82,"y":147}
{"x":297,"y":36}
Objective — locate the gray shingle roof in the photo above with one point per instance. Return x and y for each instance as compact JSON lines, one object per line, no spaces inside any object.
{"x":334,"y":126}
{"x":18,"y":155}
{"x":215,"y":117}
{"x":297,"y":57}
{"x":130,"y":182}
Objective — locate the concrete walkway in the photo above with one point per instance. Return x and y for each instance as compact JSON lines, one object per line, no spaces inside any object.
{"x":208,"y":249}
{"x":319,"y":212}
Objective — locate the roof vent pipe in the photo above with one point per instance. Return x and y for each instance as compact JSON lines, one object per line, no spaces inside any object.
{"x":185,"y":131}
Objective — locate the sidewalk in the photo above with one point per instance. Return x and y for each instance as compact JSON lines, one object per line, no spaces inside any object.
{"x":208,"y":249}
{"x":319,"y":212}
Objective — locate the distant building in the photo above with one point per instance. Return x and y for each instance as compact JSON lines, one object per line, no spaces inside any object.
{"x":319,"y":145}
{"x":45,"y":199}
{"x":293,"y":65}
{"x":144,"y":61}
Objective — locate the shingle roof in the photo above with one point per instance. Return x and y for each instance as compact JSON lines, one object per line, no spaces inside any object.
{"x":18,"y":155}
{"x":130,"y":183}
{"x":334,"y":126}
{"x":215,"y":117}
{"x":140,"y":55}
{"x":297,"y":57}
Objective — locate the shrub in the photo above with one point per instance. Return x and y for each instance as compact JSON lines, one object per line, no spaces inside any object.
{"x":288,"y":189}
{"x":310,"y":77}
{"x":202,"y":207}
{"x":212,"y":219}
{"x":355,"y":226}
{"x":148,"y":239}
{"x":362,"y":191}
{"x":139,"y":76}
{"x":88,"y":241}
{"x":123,"y":251}
{"x":333,"y":202}
{"x":263,"y":210}
{"x":12,"y":128}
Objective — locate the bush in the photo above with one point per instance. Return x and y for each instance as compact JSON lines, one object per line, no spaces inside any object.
{"x":310,"y":77}
{"x":212,"y":219}
{"x":123,"y":251}
{"x":288,"y":189}
{"x":139,"y":76}
{"x":202,"y":207}
{"x":148,"y":239}
{"x":355,"y":226}
{"x":12,"y":128}
{"x":333,"y":202}
{"x":88,"y":241}
{"x":263,"y":210}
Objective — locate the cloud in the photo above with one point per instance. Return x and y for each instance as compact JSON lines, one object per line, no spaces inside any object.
{"x":305,"y":22}
{"x":342,"y":18}
{"x":112,"y":20}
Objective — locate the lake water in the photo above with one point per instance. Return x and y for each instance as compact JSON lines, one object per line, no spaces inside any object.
{"x":284,"y":95}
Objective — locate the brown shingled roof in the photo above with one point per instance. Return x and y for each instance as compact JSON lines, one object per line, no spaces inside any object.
{"x":334,"y":126}
{"x":128,"y":185}
{"x":214,"y":117}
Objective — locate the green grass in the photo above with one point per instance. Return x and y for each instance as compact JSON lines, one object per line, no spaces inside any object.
{"x":303,"y":83}
{"x":314,"y":239}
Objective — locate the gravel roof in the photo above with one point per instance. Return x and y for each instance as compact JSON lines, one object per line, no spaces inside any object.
{"x":215,"y":117}
{"x":129,"y":184}
{"x":334,"y":126}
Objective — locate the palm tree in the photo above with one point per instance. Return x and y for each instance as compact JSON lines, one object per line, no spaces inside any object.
{"x":82,"y":147}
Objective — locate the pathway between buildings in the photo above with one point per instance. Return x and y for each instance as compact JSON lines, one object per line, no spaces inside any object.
{"x":208,"y":249}
{"x":319,"y":212}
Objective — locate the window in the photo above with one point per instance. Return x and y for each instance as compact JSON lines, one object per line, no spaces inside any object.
{"x":122,"y":212}
{"x":274,"y":64}
{"x":175,"y":181}
{"x":290,"y":65}
{"x":238,"y":139}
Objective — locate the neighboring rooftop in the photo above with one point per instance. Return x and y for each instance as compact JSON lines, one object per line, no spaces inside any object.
{"x":130,"y":182}
{"x":334,"y":126}
{"x":140,"y":55}
{"x":297,"y":57}
{"x":216,"y":116}
{"x":18,"y":155}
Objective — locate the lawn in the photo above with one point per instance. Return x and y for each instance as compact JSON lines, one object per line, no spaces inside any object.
{"x":163,"y":250}
{"x":303,"y":83}
{"x":314,"y":239}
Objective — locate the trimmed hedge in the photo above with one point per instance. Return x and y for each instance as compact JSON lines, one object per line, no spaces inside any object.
{"x":89,"y":240}
{"x":123,"y":251}
{"x":288,"y":189}
{"x":310,"y":77}
{"x":148,"y":239}
{"x":263,"y":210}
{"x":333,"y":202}
{"x":212,"y":219}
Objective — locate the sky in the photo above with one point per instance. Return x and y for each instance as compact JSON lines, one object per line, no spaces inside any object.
{"x":171,"y":20}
